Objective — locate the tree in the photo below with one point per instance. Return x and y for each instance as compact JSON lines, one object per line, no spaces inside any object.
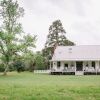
{"x":39,"y":61}
{"x":19,"y":65}
{"x":12,"y":41}
{"x":56,"y":36}
{"x":29,"y":60}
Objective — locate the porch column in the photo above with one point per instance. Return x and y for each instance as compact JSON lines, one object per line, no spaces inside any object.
{"x":50,"y":65}
{"x":90,"y":64}
{"x":96,"y":66}
{"x":99,"y":65}
{"x":69,"y":63}
{"x":55,"y":65}
{"x":75,"y":67}
{"x":62,"y":65}
{"x":83,"y":66}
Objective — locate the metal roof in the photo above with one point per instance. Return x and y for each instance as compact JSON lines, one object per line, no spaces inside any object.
{"x":76,"y":53}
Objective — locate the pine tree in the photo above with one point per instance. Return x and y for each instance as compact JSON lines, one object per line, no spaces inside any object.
{"x":57,"y":35}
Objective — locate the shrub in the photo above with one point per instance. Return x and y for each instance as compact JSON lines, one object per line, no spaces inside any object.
{"x":2,"y":68}
{"x":19,"y":66}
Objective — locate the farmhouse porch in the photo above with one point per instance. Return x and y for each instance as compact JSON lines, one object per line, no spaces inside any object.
{"x":77,"y":60}
{"x":75,"y":67}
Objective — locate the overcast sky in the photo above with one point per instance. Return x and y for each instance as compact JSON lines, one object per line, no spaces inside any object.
{"x":80,"y":19}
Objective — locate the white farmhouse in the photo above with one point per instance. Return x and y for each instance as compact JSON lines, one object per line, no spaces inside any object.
{"x":77,"y":60}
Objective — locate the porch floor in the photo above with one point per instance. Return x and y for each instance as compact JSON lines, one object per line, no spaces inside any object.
{"x":74,"y":73}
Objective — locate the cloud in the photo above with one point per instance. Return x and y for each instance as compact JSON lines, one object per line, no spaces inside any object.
{"x":80,"y":18}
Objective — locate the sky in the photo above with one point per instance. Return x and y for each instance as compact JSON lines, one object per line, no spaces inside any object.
{"x":80,"y":19}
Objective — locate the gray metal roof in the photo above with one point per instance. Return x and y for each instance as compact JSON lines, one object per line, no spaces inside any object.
{"x":77,"y":53}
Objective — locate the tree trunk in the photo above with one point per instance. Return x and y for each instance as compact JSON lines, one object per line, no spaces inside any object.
{"x":6,"y":69}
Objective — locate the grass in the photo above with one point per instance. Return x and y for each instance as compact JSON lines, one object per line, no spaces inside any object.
{"x":29,"y":86}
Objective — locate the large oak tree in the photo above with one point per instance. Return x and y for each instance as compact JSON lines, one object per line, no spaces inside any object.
{"x":12,"y":41}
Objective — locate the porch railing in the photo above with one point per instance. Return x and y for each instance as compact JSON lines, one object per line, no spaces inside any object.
{"x":42,"y":71}
{"x":63,"y":70}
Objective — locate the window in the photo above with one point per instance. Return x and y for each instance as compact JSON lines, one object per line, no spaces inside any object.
{"x":66,"y":65}
{"x":51,"y":64}
{"x":58,"y":64}
{"x":72,"y":64}
{"x":86,"y":64}
{"x":93,"y":64}
{"x":70,"y":48}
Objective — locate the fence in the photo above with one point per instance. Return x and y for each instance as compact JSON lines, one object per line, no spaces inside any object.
{"x":41,"y":71}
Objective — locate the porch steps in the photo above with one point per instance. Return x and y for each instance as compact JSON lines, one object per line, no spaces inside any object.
{"x":79,"y":73}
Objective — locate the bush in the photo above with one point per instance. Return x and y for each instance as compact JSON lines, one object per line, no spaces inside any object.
{"x":40,"y":63}
{"x":12,"y":68}
{"x":2,"y":68}
{"x":19,"y":66}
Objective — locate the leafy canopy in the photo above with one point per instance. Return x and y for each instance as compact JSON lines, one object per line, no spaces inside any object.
{"x":12,"y":41}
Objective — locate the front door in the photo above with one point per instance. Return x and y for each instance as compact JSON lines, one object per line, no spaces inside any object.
{"x":79,"y":66}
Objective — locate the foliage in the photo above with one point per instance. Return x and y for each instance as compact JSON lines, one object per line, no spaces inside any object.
{"x":39,"y":61}
{"x":2,"y":67}
{"x":12,"y":41}
{"x":19,"y":65}
{"x":57,"y":35}
{"x":29,"y":60}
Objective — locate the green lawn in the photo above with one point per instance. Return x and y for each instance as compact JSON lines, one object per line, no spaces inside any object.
{"x":29,"y":86}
